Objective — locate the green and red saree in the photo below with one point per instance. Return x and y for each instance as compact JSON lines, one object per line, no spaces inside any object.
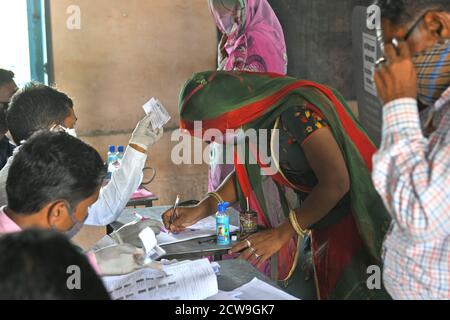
{"x":233,"y":100}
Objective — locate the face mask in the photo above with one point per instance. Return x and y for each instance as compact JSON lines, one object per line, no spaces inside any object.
{"x":433,"y":72}
{"x":77,"y":225}
{"x":228,"y":15}
{"x":72,"y":132}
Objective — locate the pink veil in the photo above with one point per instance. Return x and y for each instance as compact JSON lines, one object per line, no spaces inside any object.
{"x":256,"y":43}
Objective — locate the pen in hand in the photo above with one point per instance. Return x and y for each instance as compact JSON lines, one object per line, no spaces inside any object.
{"x":174,"y":213}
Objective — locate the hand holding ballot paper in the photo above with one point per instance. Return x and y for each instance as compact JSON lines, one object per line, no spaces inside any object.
{"x":118,"y":257}
{"x":150,"y":129}
{"x":157,"y":113}
{"x":129,"y":233}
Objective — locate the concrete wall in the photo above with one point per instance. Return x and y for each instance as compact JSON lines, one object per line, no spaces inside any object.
{"x":319,"y":40}
{"x":125,"y":53}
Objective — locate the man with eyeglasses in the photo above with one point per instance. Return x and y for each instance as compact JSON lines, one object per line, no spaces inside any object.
{"x":412,"y":168}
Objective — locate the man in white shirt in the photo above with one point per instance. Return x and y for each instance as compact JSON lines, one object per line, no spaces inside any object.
{"x":37,"y":107}
{"x":52,"y":182}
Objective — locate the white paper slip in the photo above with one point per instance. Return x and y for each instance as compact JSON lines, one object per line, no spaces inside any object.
{"x":158,"y":114}
{"x":193,"y":280}
{"x":203,"y":228}
{"x":254,"y":290}
{"x":152,"y":250}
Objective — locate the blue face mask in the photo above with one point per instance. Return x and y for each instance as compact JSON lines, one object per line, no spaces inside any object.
{"x":433,"y":72}
{"x":76,"y":227}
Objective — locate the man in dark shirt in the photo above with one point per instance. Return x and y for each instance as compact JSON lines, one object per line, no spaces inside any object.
{"x":7,"y":89}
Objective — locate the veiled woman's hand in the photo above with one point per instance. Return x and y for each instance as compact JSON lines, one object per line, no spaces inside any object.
{"x":260,"y":246}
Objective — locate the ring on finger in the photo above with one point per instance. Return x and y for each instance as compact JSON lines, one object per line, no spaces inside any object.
{"x":249,"y":244}
{"x":257,"y":256}
{"x":380,"y":61}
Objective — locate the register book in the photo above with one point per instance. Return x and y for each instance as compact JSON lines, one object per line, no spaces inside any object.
{"x":190,"y":280}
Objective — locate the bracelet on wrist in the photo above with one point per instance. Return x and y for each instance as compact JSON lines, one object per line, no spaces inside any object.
{"x":296,"y":225}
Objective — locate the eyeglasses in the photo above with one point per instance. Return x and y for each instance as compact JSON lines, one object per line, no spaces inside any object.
{"x":380,"y":38}
{"x":414,"y":26}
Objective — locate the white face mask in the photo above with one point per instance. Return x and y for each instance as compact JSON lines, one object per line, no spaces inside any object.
{"x":72,"y":132}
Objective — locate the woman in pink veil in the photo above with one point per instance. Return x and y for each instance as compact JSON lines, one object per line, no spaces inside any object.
{"x":252,"y":40}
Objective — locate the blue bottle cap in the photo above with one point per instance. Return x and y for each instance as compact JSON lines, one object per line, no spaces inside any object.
{"x":121,"y":149}
{"x":223,"y":206}
{"x":112,"y":149}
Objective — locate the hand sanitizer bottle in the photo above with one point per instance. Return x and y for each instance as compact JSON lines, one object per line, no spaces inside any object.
{"x":223,"y":224}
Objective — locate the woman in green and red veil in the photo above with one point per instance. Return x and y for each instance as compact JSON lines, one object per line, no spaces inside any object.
{"x":328,"y":215}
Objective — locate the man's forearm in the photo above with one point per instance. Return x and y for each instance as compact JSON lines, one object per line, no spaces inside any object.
{"x":114,"y":197}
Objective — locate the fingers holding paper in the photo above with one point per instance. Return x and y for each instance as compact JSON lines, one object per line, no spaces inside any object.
{"x":129,"y":233}
{"x":144,"y":135}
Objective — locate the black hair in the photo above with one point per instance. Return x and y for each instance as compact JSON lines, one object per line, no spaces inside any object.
{"x":3,"y":125}
{"x":400,"y":12}
{"x":36,"y":107}
{"x":6,"y":76}
{"x":53,"y":166}
{"x":37,"y":265}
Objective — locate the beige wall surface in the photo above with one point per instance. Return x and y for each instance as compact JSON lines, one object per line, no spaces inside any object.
{"x":126,"y":52}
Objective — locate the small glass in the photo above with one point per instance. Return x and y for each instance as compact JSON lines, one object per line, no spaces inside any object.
{"x":248,"y":222}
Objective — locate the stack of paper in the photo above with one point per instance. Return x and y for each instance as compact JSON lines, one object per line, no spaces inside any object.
{"x":203,"y":228}
{"x":190,"y":280}
{"x":254,"y":290}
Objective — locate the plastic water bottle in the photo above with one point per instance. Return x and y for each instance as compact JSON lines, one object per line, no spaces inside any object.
{"x":111,"y":159}
{"x":119,"y":157}
{"x":223,"y":224}
{"x":121,"y":151}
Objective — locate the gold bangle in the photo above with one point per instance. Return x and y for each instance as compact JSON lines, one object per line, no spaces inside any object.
{"x":293,"y":224}
{"x":296,"y":225}
{"x":216,"y":196}
{"x":302,"y":231}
